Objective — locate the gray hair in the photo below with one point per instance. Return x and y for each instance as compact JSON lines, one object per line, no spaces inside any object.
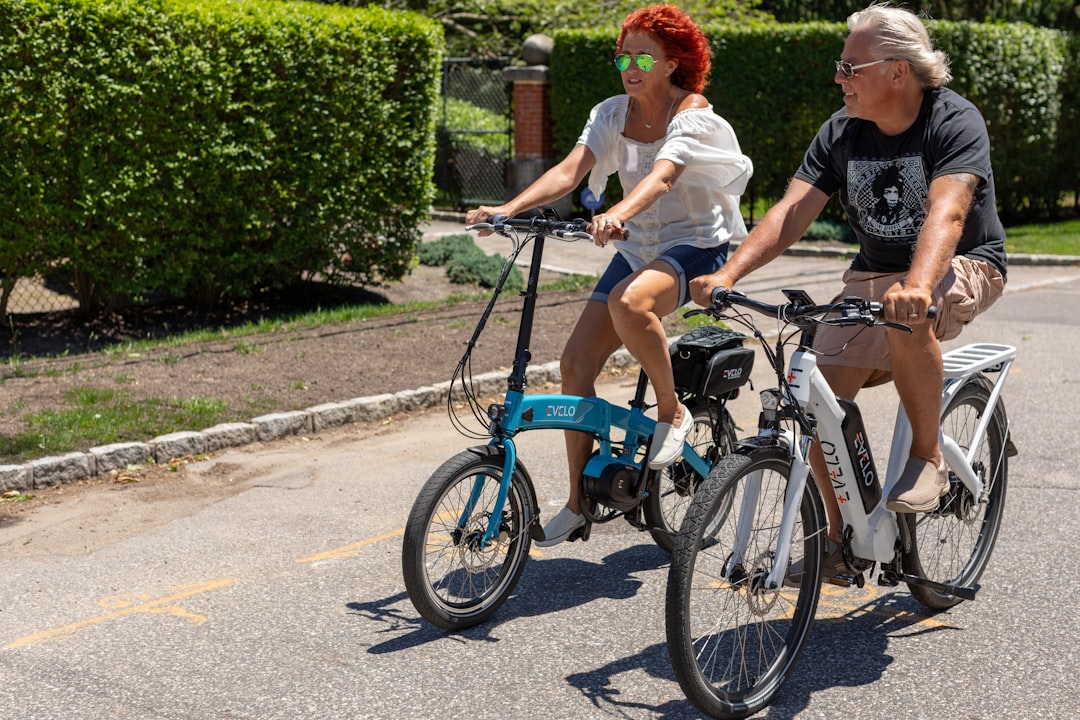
{"x":901,"y":35}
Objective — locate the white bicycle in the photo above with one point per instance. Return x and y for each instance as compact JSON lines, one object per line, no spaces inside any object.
{"x":734,"y":629}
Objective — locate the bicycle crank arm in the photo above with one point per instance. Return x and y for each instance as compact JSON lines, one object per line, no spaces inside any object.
{"x":967,"y":592}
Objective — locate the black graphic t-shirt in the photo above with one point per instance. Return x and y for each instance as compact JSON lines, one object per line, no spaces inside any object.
{"x":884,"y":181}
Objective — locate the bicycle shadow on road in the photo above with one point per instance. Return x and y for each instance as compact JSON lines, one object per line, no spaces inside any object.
{"x":546,"y":586}
{"x":604,"y":691}
{"x":855,"y":625}
{"x":849,"y":644}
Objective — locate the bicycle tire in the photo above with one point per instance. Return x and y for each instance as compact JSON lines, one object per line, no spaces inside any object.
{"x":953,"y":543}
{"x":733,"y":644}
{"x":712,"y":437}
{"x":452,"y":581}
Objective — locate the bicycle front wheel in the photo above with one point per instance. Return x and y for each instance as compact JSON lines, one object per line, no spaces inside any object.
{"x":454,"y":579}
{"x":712,"y":437}
{"x":732,"y":641}
{"x":953,"y":543}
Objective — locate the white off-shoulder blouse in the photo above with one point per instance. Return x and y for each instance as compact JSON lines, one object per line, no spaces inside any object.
{"x":702,"y":207}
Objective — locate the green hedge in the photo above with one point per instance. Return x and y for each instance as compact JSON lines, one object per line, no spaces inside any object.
{"x":774,"y":83}
{"x":210,"y":149}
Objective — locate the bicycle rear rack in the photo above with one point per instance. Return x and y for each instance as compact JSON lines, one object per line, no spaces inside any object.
{"x":985,"y":357}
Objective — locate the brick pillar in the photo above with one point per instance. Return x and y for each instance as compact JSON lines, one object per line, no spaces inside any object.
{"x":534,"y":146}
{"x":532,"y":119}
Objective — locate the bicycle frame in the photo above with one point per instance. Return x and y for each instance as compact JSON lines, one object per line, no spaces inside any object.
{"x":874,"y":531}
{"x":592,"y":415}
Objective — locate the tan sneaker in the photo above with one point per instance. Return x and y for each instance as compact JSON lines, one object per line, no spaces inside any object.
{"x":919,"y":487}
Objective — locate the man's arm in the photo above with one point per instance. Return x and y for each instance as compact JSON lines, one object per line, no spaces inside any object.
{"x":782,"y":227}
{"x":948,"y":203}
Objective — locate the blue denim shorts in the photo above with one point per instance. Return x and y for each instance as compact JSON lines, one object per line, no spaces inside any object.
{"x":688,"y":261}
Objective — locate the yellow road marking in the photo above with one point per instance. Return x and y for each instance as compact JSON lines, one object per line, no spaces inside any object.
{"x":351,"y":549}
{"x":125,"y":606}
{"x":836,"y":601}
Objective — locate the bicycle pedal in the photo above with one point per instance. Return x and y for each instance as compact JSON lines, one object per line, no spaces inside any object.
{"x":847,"y":580}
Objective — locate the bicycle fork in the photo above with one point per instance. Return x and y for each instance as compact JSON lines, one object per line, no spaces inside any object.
{"x":800,"y":470}
{"x":494,"y":523}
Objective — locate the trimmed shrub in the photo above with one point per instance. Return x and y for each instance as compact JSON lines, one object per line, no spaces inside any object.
{"x":467,"y":264}
{"x":775,"y":84}
{"x":175,"y":147}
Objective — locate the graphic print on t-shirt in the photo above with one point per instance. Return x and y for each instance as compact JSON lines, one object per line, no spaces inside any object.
{"x":890,"y":197}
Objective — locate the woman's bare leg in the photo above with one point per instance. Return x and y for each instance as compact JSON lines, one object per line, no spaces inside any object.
{"x":591,"y":343}
{"x":637,"y":304}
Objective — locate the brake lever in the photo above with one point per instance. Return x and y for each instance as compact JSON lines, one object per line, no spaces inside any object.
{"x":894,"y":325}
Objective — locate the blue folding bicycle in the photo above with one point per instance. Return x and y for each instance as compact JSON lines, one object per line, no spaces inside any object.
{"x":470,"y":529}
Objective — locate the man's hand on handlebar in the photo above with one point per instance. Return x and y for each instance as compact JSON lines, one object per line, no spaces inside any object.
{"x":907,"y":305}
{"x":704,"y":287}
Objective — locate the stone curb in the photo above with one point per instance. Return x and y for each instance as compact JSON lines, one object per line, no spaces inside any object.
{"x":73,"y":467}
{"x":76,"y":466}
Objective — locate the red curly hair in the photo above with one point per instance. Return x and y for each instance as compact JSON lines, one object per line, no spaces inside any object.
{"x":680,"y":38}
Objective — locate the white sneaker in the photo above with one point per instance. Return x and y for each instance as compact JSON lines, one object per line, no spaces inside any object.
{"x":667,"y":442}
{"x":560,"y":528}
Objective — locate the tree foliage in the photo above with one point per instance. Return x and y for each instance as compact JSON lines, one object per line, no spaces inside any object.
{"x":1060,"y":14}
{"x":498,"y":27}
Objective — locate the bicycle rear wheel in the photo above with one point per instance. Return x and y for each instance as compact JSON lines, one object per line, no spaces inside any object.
{"x":732,"y":641}
{"x":454,"y":580}
{"x":712,"y":437}
{"x":953,"y":543}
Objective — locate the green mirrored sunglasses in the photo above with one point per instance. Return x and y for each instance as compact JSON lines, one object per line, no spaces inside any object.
{"x":645,"y":62}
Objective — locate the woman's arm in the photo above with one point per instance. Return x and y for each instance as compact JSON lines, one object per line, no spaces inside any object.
{"x":549,"y":187}
{"x":783,"y":225}
{"x":641,"y":197}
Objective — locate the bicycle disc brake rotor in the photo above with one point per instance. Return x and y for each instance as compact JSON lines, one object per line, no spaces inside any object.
{"x":475,"y":558}
{"x":759,"y":599}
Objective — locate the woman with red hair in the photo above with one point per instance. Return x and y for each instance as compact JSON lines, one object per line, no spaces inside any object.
{"x":682,"y":173}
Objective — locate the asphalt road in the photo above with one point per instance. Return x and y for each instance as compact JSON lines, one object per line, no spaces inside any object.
{"x":271,"y":588}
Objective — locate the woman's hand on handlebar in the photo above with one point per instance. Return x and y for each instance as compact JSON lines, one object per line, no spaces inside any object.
{"x":605,"y":228}
{"x":483,"y":214}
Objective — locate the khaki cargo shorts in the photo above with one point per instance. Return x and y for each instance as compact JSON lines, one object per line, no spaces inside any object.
{"x":969,"y":288}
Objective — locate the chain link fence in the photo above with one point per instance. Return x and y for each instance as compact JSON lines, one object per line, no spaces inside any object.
{"x":27,"y":295}
{"x":475,"y":133}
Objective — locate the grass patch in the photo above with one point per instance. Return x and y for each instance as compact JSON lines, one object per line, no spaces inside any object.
{"x":1060,"y":238}
{"x":101,"y":416}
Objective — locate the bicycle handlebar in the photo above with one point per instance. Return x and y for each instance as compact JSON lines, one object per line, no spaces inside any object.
{"x":562,"y":229}
{"x":801,"y":311}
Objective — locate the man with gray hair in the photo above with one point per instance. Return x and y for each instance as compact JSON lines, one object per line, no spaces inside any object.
{"x":898,"y":118}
